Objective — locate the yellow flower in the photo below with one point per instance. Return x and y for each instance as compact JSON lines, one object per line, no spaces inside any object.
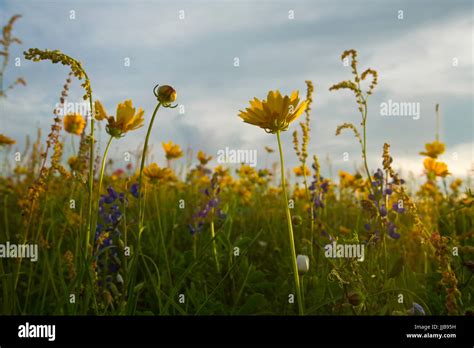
{"x":246,"y":171}
{"x":299,"y":171}
{"x":73,"y":162}
{"x":455,"y":184}
{"x":4,"y":140}
{"x":221,"y":171}
{"x":99,"y":111}
{"x":203,"y":181}
{"x":299,"y":192}
{"x":435,"y":167}
{"x":125,"y":120}
{"x":172,"y":151}
{"x":155,"y":173}
{"x":346,"y":179}
{"x":274,"y":114}
{"x":74,"y":123}
{"x":433,"y":149}
{"x":203,"y":159}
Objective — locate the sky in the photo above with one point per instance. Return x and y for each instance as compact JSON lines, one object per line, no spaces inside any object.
{"x":425,"y":58}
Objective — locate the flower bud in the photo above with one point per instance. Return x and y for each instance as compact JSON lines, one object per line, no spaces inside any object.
{"x":166,"y":94}
{"x":297,"y":220}
{"x":302,"y":261}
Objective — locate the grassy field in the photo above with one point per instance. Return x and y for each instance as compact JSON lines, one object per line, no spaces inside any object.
{"x":176,"y":238}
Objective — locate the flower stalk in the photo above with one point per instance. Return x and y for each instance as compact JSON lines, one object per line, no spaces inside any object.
{"x":290,"y":230}
{"x":102,"y":167}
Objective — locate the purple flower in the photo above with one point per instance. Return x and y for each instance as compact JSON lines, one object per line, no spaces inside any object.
{"x":134,"y":190}
{"x":112,"y":193}
{"x":383,"y":210}
{"x":397,"y":208}
{"x":213,"y":202}
{"x":325,"y":186}
{"x":392,"y":230}
{"x":210,"y":209}
{"x":318,"y":203}
{"x":388,"y":191}
{"x":367,"y":227}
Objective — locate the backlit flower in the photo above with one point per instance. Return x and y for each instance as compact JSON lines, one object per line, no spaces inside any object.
{"x":455,"y":184}
{"x":74,"y":162}
{"x":74,"y":124}
{"x":221,"y":171}
{"x":203,"y":159}
{"x":275,"y":113}
{"x":155,"y":173}
{"x":126,"y":118}
{"x":99,"y":111}
{"x":172,"y":151}
{"x":435,"y":167}
{"x":433,"y":149}
{"x":346,"y":179}
{"x":299,"y":171}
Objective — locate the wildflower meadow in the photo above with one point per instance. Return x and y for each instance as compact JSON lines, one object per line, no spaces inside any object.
{"x":91,"y":225}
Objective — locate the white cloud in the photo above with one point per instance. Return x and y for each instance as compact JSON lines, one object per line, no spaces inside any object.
{"x":420,"y":62}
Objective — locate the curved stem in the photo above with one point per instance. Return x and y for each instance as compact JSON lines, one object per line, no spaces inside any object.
{"x":90,"y":227}
{"x":290,"y":230}
{"x":102,"y":167}
{"x":142,"y":165}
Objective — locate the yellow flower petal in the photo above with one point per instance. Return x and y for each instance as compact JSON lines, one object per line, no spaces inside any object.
{"x":100,"y":113}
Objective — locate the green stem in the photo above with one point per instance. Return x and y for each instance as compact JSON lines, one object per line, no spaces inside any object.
{"x":90,"y":227}
{"x":90,"y":220}
{"x":214,"y":247}
{"x":102,"y":167}
{"x":364,"y":146}
{"x":290,"y":230}
{"x":142,"y":166}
